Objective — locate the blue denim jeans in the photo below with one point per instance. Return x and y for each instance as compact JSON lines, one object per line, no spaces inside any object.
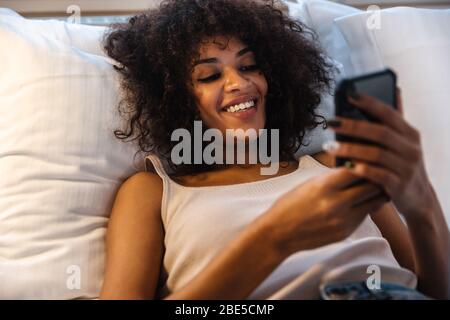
{"x":358,"y":290}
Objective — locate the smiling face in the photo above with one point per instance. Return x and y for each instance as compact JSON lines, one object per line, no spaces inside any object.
{"x":225,"y":77}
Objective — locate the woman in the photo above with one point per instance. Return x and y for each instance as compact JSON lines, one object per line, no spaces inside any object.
{"x":226,"y":231}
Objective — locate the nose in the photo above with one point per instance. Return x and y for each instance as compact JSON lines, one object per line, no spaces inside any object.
{"x":235,"y":81}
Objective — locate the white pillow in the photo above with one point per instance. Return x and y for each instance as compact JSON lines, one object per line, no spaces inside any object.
{"x":319,"y":15}
{"x":60,"y":163}
{"x":415,"y":43}
{"x":298,"y":11}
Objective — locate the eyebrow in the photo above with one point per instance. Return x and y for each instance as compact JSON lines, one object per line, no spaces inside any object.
{"x":214,"y":60}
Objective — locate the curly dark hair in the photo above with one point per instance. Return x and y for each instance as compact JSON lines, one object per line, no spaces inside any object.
{"x":155,"y":50}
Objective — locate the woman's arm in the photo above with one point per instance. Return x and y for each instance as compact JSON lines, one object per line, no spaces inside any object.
{"x":396,"y":232}
{"x":134,"y":240}
{"x":422,"y":247}
{"x":430,"y":237}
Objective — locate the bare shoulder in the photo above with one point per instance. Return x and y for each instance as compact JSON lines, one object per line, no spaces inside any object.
{"x":324,"y":158}
{"x":144,"y":180}
{"x":142,"y":189}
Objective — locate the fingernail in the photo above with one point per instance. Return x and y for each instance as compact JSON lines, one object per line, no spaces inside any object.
{"x":354,"y":95}
{"x":330,"y":145}
{"x":334,"y":123}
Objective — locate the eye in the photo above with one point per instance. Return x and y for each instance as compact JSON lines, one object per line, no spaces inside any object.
{"x":251,"y":67}
{"x":211,"y":78}
{"x":216,"y":76}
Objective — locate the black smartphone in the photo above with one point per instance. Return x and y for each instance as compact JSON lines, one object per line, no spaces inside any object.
{"x":381,"y":85}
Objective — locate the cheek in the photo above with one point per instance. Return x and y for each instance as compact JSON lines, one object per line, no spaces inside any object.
{"x":206,"y":100}
{"x":261,"y":83}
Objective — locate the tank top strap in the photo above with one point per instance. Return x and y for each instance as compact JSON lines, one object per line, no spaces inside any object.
{"x":153,"y":164}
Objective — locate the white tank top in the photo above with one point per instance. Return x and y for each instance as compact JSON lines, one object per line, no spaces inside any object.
{"x":200,"y":221}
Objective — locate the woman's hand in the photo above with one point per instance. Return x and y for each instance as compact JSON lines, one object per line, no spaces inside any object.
{"x":398,"y":167}
{"x":322,"y":210}
{"x":397,"y":164}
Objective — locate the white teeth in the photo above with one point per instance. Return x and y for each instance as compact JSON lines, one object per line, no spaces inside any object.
{"x":240,"y":106}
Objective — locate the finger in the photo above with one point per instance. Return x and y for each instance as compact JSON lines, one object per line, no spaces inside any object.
{"x":338,"y":178}
{"x":372,"y":204}
{"x":396,"y":163}
{"x":354,"y":195}
{"x":357,"y":213}
{"x":374,"y":132}
{"x":388,"y":180}
{"x":381,"y":111}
